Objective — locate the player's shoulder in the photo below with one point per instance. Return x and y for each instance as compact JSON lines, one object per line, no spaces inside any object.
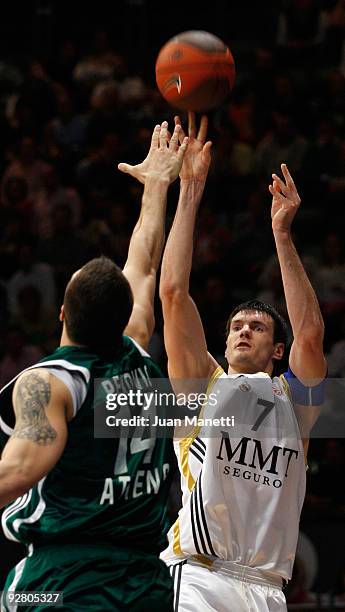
{"x":32,"y":376}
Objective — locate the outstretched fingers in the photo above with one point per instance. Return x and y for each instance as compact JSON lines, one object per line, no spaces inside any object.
{"x":191,"y":125}
{"x":174,"y":141}
{"x":182,"y":134}
{"x":183,"y":149}
{"x":126,"y":168}
{"x":155,"y":137}
{"x":280,"y":185}
{"x":207,"y":147}
{"x":288,"y":188}
{"x":163,"y":135}
{"x":203,"y":129}
{"x":290,"y":182}
{"x":275,"y":190}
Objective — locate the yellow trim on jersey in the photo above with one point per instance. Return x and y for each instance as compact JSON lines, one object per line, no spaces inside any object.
{"x":176,"y":538}
{"x":186,"y":443}
{"x":216,"y":374}
{"x":204,"y":561}
{"x":286,"y":386}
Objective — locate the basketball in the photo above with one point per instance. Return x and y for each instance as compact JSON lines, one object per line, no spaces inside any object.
{"x":195,"y":71}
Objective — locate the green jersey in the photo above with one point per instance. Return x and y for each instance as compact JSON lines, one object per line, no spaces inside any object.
{"x":110,"y":490}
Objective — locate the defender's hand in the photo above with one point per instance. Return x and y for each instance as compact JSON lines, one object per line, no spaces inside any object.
{"x":164,"y":159}
{"x":285,"y":201}
{"x":197,"y":159}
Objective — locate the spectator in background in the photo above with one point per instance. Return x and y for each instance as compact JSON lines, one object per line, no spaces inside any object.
{"x":107,"y":114}
{"x":283,"y":142}
{"x":63,"y":63}
{"x":18,"y":355}
{"x":52,"y":195}
{"x":4,"y":317}
{"x":340,"y":596}
{"x":37,"y":322}
{"x":13,"y":232}
{"x":27,"y":165}
{"x":270,"y":287}
{"x":96,"y":173}
{"x":297,"y":591}
{"x":102,"y":64}
{"x":231,"y":156}
{"x":118,"y":224}
{"x":34,"y":273}
{"x":16,"y":200}
{"x":322,"y":157}
{"x":65,"y":250}
{"x":301,"y":30}
{"x":324,"y":495}
{"x":336,"y":356}
{"x":69,"y":127}
{"x":331,"y":275}
{"x":335,"y":39}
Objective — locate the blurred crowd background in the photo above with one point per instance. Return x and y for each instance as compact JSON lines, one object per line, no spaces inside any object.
{"x":78,"y":95}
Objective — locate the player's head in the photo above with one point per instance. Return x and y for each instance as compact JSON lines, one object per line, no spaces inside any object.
{"x":256,"y":337}
{"x":97,"y":305}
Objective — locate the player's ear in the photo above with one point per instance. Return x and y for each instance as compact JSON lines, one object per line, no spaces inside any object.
{"x":278,"y":351}
{"x":62,"y":314}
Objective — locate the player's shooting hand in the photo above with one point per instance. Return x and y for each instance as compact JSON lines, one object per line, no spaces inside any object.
{"x":197,"y":159}
{"x":285,"y":201}
{"x":164,"y":159}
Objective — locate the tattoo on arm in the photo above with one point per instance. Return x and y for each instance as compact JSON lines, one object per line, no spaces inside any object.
{"x":33,"y":395}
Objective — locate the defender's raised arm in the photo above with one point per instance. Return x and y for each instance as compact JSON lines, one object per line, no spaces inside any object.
{"x":160,"y":168}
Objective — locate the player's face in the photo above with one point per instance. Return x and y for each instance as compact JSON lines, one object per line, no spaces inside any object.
{"x":250,"y":347}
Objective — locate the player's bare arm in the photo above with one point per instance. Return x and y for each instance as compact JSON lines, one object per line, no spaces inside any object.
{"x":160,"y":168}
{"x":307,"y":359}
{"x":42,"y":407}
{"x":183,"y":331}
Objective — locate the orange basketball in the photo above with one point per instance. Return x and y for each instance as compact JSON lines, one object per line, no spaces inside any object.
{"x":195,"y":71}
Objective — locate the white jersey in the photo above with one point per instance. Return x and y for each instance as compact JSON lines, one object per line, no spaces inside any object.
{"x":243,"y":487}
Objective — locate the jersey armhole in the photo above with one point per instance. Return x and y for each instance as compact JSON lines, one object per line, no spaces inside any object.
{"x":140,"y":348}
{"x":75,"y":384}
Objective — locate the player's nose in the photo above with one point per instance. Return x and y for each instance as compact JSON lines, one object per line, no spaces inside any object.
{"x":245,"y":331}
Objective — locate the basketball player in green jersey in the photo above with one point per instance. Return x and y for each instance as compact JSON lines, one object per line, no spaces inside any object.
{"x":92,"y":512}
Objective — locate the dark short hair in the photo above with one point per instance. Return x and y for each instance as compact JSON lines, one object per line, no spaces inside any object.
{"x":98,"y":302}
{"x":281,"y":330}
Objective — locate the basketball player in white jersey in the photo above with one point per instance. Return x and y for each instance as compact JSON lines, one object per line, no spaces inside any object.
{"x":233,"y":544}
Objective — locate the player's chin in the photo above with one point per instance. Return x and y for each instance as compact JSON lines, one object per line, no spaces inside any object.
{"x":242,"y":357}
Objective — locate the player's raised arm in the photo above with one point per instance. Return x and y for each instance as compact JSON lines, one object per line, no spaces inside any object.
{"x":307,"y":360}
{"x":183,"y":331}
{"x":160,"y":168}
{"x":41,"y":404}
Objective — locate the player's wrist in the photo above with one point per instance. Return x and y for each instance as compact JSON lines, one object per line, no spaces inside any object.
{"x":157,"y":180}
{"x":193,"y":181}
{"x":282,"y":234}
{"x":194,"y":188}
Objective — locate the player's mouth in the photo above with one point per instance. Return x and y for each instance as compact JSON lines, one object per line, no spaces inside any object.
{"x":242,"y":345}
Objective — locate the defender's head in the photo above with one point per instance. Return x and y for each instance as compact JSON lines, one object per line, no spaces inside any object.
{"x":97,"y":305}
{"x":256,"y":337}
